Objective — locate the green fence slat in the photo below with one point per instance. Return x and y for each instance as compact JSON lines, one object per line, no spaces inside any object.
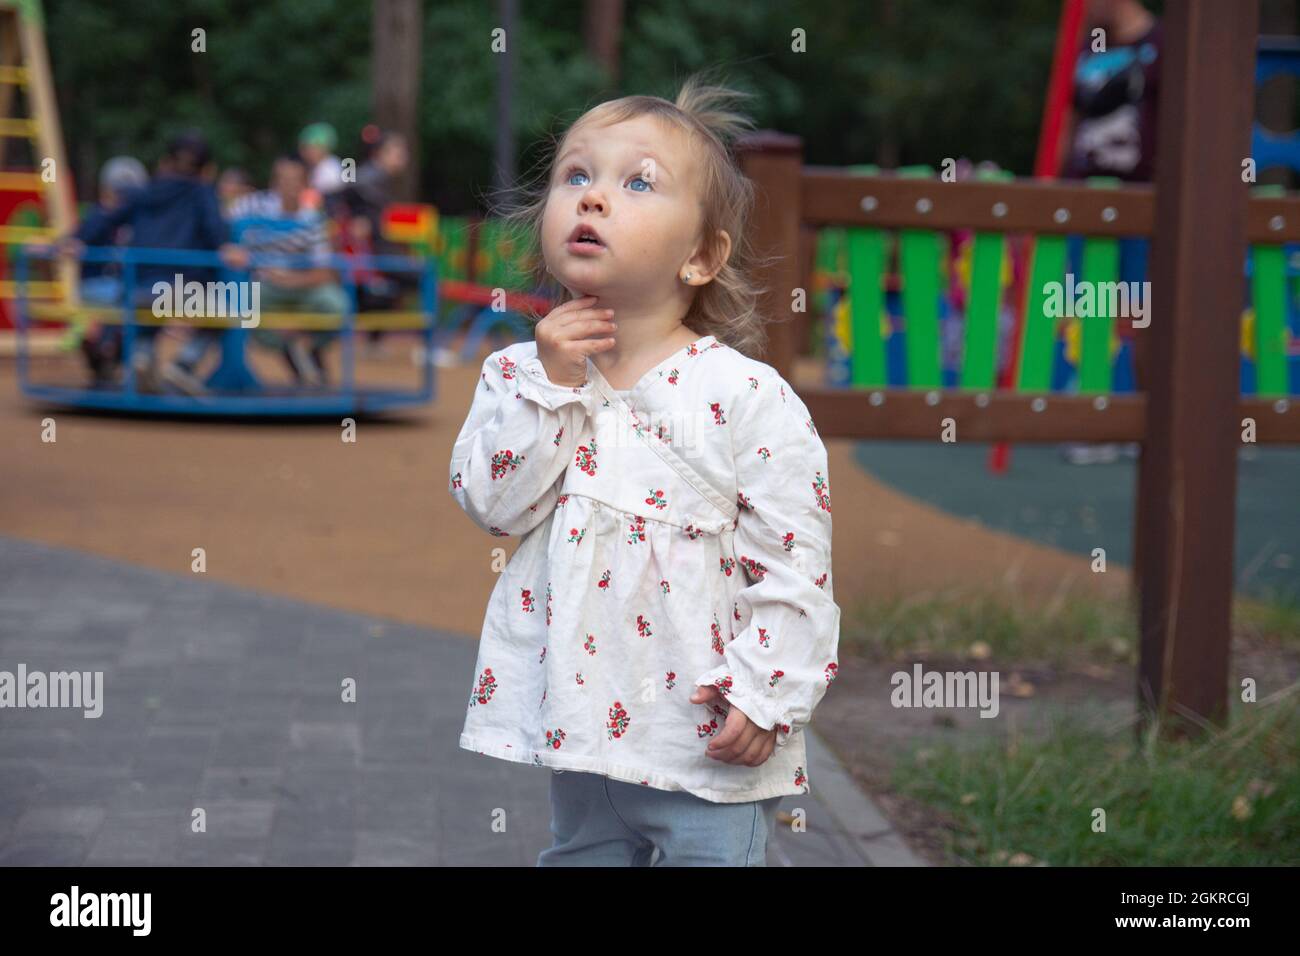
{"x":451,"y":260}
{"x":489,"y":240}
{"x":866,"y":264}
{"x":1100,"y":265}
{"x":830,"y":250}
{"x":828,"y":262}
{"x":1268,"y":289}
{"x":1038,"y":335}
{"x":979,"y":357}
{"x":919,"y":264}
{"x":979,"y":351}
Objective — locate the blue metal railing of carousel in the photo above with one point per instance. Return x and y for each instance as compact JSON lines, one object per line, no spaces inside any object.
{"x":233,"y":389}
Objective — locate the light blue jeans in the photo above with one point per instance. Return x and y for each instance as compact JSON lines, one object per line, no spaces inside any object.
{"x":596,"y":821}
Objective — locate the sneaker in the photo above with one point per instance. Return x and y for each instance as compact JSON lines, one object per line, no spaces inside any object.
{"x":182,"y":378}
{"x":305,"y":369}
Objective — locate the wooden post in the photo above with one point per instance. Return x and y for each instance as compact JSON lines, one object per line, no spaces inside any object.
{"x":1187,"y":482}
{"x":774,"y":161}
{"x":602,"y":35}
{"x":396,"y":28}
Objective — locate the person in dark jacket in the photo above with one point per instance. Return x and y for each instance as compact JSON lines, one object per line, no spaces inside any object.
{"x":361,"y":206}
{"x":101,"y":282}
{"x":178,"y":209}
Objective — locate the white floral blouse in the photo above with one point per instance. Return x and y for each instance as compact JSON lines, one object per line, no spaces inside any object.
{"x":674,"y":535}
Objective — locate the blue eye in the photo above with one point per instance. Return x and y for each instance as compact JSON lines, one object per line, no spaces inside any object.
{"x":642,"y":179}
{"x":572,"y":173}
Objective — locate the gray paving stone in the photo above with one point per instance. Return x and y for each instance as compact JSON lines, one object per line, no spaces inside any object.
{"x":44,"y":850}
{"x":230,"y":700}
{"x":382,"y":848}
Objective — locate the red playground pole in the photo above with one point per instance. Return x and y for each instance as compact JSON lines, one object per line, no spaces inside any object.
{"x":1047,"y":162}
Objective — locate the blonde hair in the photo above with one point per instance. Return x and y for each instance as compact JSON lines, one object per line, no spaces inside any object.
{"x":727,"y":306}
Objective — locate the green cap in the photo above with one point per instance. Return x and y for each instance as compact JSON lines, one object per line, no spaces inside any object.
{"x":318,"y":134}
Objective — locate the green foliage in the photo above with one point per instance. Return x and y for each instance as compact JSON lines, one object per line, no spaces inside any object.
{"x":909,"y":79}
{"x":1076,"y":630}
{"x":1229,"y":799}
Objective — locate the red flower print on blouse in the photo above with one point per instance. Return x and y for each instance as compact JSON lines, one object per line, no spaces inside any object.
{"x":585,"y":458}
{"x":505,"y":461}
{"x":755,"y":568}
{"x":822,"y":489}
{"x":487,"y":686}
{"x":618,"y":721}
{"x":636,"y":530}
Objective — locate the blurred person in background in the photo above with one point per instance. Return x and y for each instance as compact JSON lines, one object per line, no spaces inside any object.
{"x":233,"y":184}
{"x":362,"y":215}
{"x":316,"y":145}
{"x":1111,"y":131}
{"x":177,"y":209}
{"x":101,"y":282}
{"x":276,"y":222}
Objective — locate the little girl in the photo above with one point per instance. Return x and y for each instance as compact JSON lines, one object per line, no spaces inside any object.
{"x":666,"y":626}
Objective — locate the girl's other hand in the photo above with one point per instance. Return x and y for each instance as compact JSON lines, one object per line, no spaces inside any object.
{"x":571,"y":332}
{"x":742,"y":741}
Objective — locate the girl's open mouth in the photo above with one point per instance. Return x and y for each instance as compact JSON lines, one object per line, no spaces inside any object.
{"x":584,"y":241}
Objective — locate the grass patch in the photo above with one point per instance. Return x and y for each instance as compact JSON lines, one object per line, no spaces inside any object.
{"x":977,"y":625}
{"x":1069,"y":631}
{"x":1231,"y":798}
{"x":1270,"y":620}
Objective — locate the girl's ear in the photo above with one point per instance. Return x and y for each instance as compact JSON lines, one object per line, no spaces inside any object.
{"x":702,"y":266}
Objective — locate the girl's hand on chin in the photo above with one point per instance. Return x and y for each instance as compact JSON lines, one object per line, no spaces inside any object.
{"x":569,"y":333}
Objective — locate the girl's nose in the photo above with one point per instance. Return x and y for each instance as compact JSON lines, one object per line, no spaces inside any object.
{"x":590,"y":200}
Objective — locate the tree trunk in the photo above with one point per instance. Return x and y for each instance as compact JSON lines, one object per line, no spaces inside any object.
{"x":395,"y":80}
{"x":602,"y":33}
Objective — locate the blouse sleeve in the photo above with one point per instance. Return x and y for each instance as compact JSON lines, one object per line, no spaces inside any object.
{"x":521,"y":432}
{"x":784,"y":656}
